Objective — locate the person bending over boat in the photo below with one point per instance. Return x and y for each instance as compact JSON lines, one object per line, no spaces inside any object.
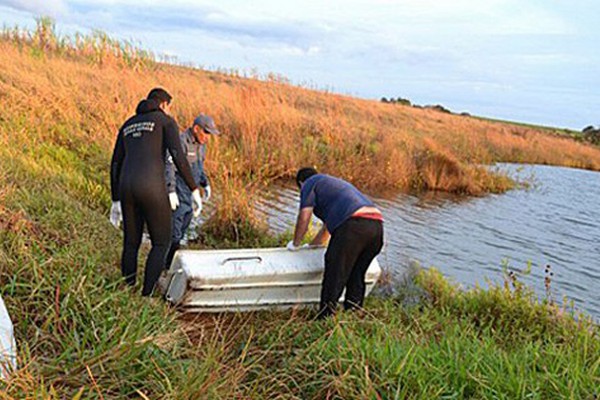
{"x":355,"y":226}
{"x":138,"y":186}
{"x":193,"y":142}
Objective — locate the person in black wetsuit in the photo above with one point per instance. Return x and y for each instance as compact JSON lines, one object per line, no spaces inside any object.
{"x":138,"y":185}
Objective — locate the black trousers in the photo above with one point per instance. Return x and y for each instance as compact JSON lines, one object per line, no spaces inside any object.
{"x":352,"y":247}
{"x":150,"y":206}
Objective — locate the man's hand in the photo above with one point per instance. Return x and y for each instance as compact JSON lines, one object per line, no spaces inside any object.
{"x":116,"y":215}
{"x":196,"y":202}
{"x":174,"y":200}
{"x":207,"y":193}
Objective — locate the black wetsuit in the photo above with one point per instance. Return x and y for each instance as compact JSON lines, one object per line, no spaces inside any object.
{"x":138,"y":181}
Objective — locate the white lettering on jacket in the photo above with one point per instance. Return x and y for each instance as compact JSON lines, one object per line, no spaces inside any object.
{"x":137,"y":130}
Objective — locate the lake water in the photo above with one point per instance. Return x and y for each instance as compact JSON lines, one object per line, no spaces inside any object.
{"x":556,"y":222}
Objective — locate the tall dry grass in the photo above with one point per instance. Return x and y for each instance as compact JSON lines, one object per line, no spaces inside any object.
{"x":71,"y":91}
{"x":270,"y":129}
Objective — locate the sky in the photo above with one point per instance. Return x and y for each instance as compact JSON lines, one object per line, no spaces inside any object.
{"x":531,"y":61}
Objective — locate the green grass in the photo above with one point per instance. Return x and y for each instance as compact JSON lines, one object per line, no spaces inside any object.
{"x":566,"y":132}
{"x":477,"y":344}
{"x":81,"y":332}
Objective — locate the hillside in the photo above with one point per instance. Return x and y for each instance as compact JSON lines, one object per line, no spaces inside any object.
{"x":82,"y":334}
{"x":271,"y":128}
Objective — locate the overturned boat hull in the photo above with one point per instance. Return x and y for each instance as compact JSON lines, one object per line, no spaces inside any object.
{"x":250,"y":279}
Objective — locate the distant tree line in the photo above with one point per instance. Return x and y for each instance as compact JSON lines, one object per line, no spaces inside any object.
{"x":591,"y":134}
{"x":399,"y":100}
{"x":407,"y":102}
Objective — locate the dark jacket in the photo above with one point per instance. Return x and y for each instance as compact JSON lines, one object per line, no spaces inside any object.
{"x":140,"y":151}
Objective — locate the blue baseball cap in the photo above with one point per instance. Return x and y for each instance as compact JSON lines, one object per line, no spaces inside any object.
{"x":207,"y":124}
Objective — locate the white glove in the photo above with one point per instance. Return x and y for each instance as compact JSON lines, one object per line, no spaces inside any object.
{"x":196,"y":202}
{"x":174,"y":200}
{"x":116,"y":215}
{"x":290,"y":246}
{"x":207,"y":193}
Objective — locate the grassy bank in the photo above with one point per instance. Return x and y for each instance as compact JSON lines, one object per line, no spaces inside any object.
{"x":85,"y":88}
{"x":82,"y":334}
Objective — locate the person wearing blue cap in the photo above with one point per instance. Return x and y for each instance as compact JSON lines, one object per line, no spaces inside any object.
{"x":193,"y":142}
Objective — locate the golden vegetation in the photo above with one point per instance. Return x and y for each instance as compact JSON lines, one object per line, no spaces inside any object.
{"x":75,"y":93}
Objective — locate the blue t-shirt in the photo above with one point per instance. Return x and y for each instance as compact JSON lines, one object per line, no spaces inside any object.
{"x":333,"y":200}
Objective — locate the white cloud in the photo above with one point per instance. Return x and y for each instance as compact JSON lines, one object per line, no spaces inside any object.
{"x":413,"y":48}
{"x":53,"y":8}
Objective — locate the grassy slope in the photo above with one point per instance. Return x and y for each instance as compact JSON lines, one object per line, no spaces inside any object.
{"x":80,"y":331}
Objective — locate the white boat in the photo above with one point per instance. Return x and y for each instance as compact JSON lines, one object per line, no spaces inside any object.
{"x":249,"y":279}
{"x":8,"y":347}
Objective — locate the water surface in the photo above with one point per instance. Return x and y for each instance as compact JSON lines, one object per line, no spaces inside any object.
{"x":556,"y":223}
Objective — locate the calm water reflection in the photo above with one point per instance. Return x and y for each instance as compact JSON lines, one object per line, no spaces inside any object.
{"x":557,"y":223}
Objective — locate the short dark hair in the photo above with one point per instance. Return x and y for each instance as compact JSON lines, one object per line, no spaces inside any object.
{"x":303,"y":174}
{"x":160,"y":95}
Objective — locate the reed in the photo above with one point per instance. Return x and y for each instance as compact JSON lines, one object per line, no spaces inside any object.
{"x":97,"y":47}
